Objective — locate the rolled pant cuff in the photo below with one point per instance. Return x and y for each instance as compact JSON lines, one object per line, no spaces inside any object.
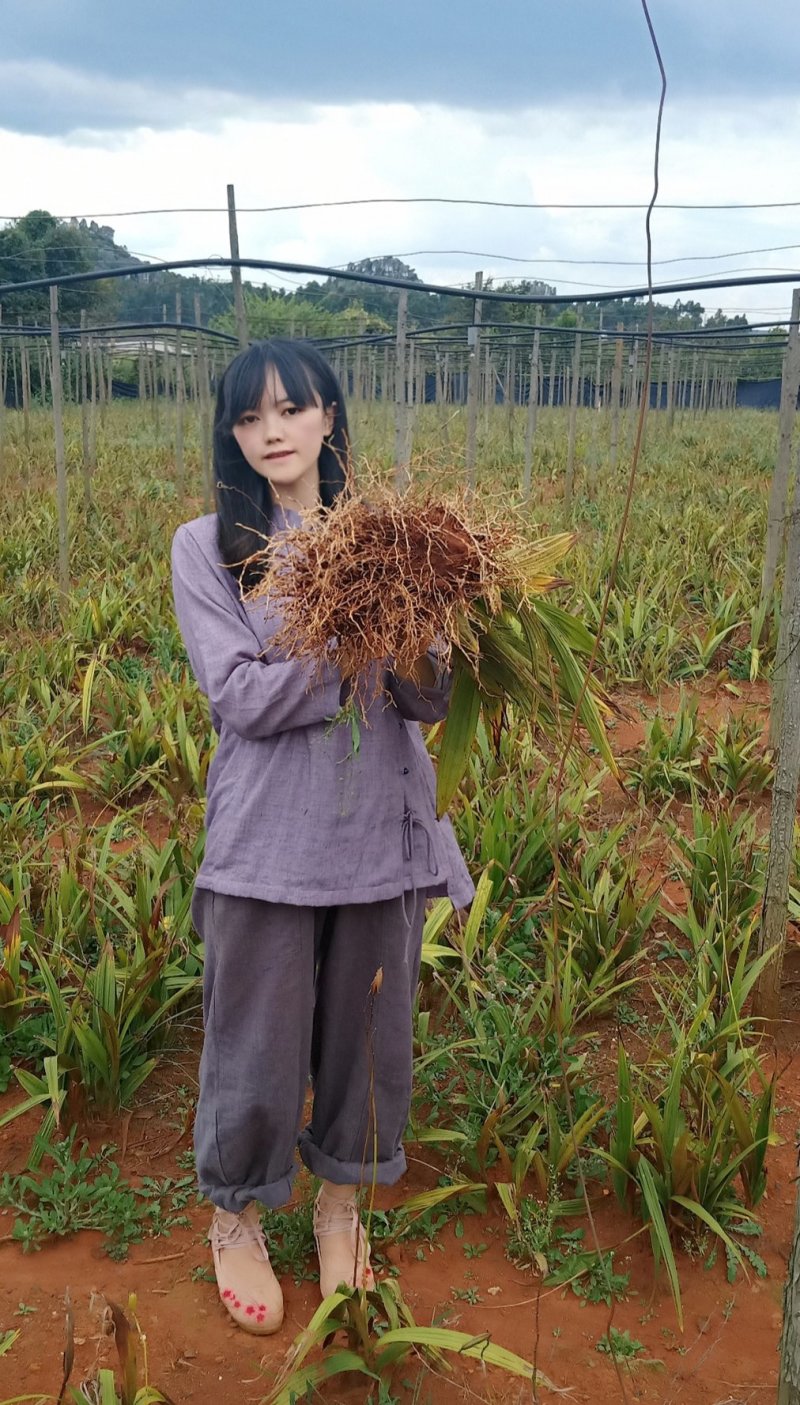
{"x":237,"y":1198}
{"x":349,"y":1172}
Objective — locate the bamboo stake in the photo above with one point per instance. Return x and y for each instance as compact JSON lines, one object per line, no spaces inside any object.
{"x":616,"y":392}
{"x":776,"y":512}
{"x":473,"y":385}
{"x":179,"y":394}
{"x":401,"y":409}
{"x":205,"y":410}
{"x":92,"y":403}
{"x":3,"y":383}
{"x":766,"y":1002}
{"x":85,"y":440}
{"x":25,"y":374}
{"x":569,"y":479}
{"x":534,"y":389}
{"x":236,"y":273}
{"x":61,"y":461}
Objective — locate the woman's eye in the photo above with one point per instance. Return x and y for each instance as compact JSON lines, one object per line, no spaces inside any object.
{"x":247,"y":419}
{"x":292,"y":410}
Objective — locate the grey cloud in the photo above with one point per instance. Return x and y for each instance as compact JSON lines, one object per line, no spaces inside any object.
{"x":113,"y":68}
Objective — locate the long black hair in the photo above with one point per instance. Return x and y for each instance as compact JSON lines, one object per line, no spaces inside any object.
{"x":243,"y":498}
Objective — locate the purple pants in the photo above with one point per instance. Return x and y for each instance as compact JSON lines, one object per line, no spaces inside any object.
{"x":286,"y":993}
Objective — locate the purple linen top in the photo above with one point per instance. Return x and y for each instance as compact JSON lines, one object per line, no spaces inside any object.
{"x":292,"y":814}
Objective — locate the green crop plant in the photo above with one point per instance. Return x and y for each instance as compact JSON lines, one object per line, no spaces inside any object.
{"x":670,"y":759}
{"x":722,"y":862}
{"x":679,"y":1163}
{"x":603,"y":908}
{"x":379,"y":1333}
{"x":737,"y":764}
{"x":13,"y":980}
{"x":510,"y":827}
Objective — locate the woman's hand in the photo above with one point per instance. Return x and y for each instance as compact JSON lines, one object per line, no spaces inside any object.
{"x":420,"y":670}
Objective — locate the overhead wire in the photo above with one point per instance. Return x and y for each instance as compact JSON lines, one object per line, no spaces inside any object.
{"x":427,"y":200}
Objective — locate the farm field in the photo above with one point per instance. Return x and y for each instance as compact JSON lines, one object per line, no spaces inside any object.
{"x":586,"y":1034}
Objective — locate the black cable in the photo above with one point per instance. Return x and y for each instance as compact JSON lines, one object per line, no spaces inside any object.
{"x":422,"y":200}
{"x":385,"y":281}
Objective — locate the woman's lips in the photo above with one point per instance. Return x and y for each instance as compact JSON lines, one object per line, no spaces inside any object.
{"x":285,"y":455}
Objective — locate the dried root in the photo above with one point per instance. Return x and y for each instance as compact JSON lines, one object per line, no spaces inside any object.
{"x":372,"y":580}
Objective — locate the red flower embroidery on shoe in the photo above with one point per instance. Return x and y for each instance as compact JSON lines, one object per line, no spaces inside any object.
{"x":250,"y":1310}
{"x":227,"y":1293}
{"x":260,"y":1317}
{"x":237,"y":1303}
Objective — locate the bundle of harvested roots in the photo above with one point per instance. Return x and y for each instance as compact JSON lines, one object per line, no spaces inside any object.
{"x":382,"y":579}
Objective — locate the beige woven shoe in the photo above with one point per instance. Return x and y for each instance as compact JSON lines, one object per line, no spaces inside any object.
{"x":247,"y":1284}
{"x":341,"y":1244}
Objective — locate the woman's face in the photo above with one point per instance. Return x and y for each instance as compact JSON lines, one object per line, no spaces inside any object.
{"x":281,"y":441}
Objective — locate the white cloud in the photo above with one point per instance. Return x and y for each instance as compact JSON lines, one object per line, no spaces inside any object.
{"x":710,"y":153}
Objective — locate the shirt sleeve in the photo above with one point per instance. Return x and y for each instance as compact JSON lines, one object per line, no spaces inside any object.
{"x":418,"y":704}
{"x":253,"y":697}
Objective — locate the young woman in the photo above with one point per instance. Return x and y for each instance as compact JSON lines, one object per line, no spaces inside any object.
{"x":318,"y":859}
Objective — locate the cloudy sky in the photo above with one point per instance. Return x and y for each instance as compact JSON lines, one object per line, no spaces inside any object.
{"x":107,"y":108}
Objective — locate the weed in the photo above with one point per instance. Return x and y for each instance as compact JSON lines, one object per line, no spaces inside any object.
{"x":84,"y":1191}
{"x":620,"y":1344}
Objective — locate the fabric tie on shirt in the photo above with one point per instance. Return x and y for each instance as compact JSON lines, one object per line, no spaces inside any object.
{"x":409,"y":821}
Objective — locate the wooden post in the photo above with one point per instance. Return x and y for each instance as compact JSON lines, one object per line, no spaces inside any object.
{"x":165,"y":358}
{"x":204,"y":399}
{"x":551,"y":378}
{"x":596,"y":399}
{"x":154,"y":384}
{"x":776,"y":512}
{"x":660,"y":375}
{"x":85,"y":440}
{"x":789,"y":1367}
{"x":671,"y":388}
{"x":25,"y":375}
{"x":3,"y":382}
{"x":616,"y":394}
{"x":473,"y":385}
{"x":179,"y":396}
{"x":401,"y":410}
{"x":509,"y":396}
{"x":236,"y":274}
{"x":533,"y":410}
{"x":385,"y":380}
{"x":766,"y":1002}
{"x":575,"y":389}
{"x":598,"y":363}
{"x":61,"y":461}
{"x":92,"y":402}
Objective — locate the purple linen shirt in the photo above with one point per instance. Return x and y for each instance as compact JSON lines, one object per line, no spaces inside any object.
{"x":292,"y":814}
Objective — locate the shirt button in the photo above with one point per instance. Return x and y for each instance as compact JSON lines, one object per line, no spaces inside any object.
{"x":405,"y":770}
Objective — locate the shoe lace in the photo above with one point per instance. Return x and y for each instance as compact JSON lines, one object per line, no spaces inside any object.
{"x":240,"y":1233}
{"x":335,"y":1216}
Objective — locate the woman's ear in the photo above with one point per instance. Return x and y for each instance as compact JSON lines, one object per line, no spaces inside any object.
{"x":329,"y":419}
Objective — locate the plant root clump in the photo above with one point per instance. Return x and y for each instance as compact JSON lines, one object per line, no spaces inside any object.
{"x":384,"y":579}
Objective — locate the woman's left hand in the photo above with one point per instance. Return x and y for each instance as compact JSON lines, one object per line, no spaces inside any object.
{"x":420,"y":670}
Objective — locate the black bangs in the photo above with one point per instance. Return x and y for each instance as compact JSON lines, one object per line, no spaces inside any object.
{"x":243,"y":383}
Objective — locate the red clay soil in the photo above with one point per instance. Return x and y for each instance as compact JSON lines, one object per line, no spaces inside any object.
{"x":726,"y":1354}
{"x":727,"y":1350}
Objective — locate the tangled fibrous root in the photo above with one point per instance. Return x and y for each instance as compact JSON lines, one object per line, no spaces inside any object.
{"x":382,"y":579}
